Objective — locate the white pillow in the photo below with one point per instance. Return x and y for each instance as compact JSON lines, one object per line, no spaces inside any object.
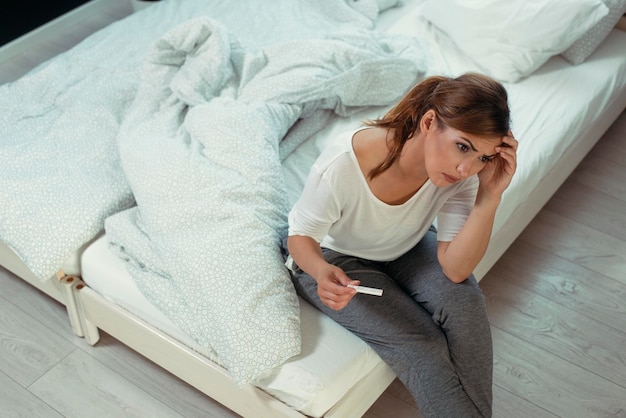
{"x":509,"y":39}
{"x":584,"y":46}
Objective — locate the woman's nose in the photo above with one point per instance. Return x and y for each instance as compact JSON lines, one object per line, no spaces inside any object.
{"x":465,"y":167}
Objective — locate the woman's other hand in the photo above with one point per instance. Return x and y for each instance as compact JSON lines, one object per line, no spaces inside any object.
{"x":497,"y":175}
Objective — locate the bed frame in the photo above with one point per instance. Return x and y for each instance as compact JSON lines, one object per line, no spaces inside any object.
{"x":88,"y":311}
{"x":96,"y":312}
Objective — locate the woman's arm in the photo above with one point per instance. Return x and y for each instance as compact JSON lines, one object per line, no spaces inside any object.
{"x":459,"y":257}
{"x":331,"y":280}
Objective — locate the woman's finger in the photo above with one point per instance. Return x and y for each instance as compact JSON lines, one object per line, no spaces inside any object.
{"x":510,"y":141}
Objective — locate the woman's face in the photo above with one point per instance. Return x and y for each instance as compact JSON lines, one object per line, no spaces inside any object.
{"x":452,"y":155}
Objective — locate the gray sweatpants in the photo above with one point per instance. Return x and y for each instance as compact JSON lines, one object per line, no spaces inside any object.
{"x":433,"y":333}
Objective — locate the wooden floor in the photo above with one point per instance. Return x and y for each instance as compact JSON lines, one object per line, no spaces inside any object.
{"x":556,"y":300}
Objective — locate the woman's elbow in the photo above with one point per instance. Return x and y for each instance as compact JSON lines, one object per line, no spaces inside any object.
{"x":456,"y":276}
{"x":454,"y":271}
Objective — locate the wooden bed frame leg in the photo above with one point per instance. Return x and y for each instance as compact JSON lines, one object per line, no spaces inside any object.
{"x":70,"y":302}
{"x":90,"y":330}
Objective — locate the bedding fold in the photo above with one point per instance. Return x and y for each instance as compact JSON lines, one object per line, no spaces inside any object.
{"x":60,"y":173}
{"x":200,"y":148}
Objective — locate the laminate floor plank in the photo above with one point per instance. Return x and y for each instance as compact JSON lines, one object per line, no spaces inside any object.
{"x":17,"y":402}
{"x":38,"y":305}
{"x":612,"y":146}
{"x":397,"y":389}
{"x":551,"y":383}
{"x":590,"y":207}
{"x":603,"y":174}
{"x":509,"y":405}
{"x":28,"y":348}
{"x":395,"y":398}
{"x":80,"y":386}
{"x":585,"y":342}
{"x":604,"y":168}
{"x":389,"y":406}
{"x":578,"y":243}
{"x":154,"y":380}
{"x":562,"y":282}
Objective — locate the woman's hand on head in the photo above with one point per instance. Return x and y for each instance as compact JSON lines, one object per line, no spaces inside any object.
{"x":332,"y":287}
{"x":497,"y":175}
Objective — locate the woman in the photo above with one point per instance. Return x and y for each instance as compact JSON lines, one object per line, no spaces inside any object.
{"x":364,"y":218}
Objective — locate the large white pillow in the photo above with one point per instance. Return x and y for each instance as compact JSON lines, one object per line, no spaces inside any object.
{"x":585,"y":45}
{"x":509,"y":39}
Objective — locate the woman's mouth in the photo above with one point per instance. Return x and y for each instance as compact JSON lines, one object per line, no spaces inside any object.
{"x":450,"y":179}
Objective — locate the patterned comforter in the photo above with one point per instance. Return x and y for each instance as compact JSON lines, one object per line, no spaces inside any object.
{"x":180,"y":151}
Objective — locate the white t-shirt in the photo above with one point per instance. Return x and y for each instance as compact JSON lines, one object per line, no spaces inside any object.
{"x":338,"y":209}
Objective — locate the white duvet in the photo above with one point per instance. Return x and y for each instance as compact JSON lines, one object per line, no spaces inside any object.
{"x":190,"y":121}
{"x":200,"y":149}
{"x":60,"y":173}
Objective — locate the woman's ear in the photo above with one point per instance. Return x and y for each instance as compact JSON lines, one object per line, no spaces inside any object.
{"x":428,"y":121}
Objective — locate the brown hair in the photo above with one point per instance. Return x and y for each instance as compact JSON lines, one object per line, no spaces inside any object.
{"x":472,"y":103}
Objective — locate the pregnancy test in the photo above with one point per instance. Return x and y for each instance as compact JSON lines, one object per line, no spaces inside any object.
{"x":367,"y":290}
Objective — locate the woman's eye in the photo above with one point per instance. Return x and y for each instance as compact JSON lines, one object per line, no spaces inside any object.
{"x":462,"y":147}
{"x":484,"y":159}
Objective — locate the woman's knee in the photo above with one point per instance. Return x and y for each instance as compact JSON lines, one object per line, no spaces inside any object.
{"x":464,"y":299}
{"x":467,"y":291}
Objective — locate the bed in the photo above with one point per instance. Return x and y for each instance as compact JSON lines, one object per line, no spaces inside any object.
{"x":102,"y":219}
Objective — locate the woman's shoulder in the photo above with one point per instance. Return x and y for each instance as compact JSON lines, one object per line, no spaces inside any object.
{"x":370,"y":147}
